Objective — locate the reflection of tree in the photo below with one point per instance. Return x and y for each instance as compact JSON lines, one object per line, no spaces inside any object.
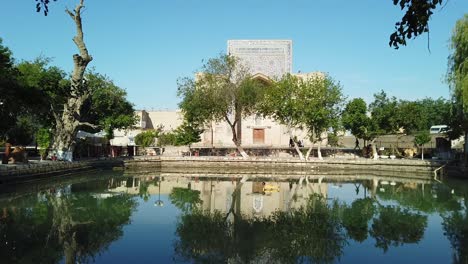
{"x":456,"y":225}
{"x":395,"y":226}
{"x":357,"y":217}
{"x":456,"y":229}
{"x":60,"y":223}
{"x":143,"y":190}
{"x":22,"y":232}
{"x":185,"y":198}
{"x":203,"y":237}
{"x":312,"y":233}
{"x":85,"y":232}
{"x":429,"y":198}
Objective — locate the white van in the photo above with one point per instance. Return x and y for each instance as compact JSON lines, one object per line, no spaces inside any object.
{"x":438,"y":129}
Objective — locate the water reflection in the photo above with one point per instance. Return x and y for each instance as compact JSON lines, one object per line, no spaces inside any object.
{"x":62,"y":223}
{"x":238,"y":219}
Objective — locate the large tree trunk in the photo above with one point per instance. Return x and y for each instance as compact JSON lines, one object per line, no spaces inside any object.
{"x":296,"y":147}
{"x":319,"y":152}
{"x":67,"y":124}
{"x":309,"y":151}
{"x":374,"y":150}
{"x":235,"y":138}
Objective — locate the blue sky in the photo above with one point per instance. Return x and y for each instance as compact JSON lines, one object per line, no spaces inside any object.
{"x":144,"y":46}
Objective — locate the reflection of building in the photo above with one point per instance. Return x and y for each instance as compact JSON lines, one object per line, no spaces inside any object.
{"x":217,"y":195}
{"x":267,"y":60}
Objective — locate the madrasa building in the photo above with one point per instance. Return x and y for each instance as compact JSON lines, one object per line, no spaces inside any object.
{"x":267,"y":60}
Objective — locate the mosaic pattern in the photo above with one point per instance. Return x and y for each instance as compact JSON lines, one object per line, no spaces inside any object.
{"x":272,"y":58}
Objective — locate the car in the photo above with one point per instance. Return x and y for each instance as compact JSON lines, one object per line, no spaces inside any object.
{"x":438,"y":129}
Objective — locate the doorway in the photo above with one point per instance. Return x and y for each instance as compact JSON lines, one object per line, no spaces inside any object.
{"x":258,"y":136}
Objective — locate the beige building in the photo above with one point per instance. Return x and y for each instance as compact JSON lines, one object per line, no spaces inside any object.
{"x":268,"y":60}
{"x":168,"y":120}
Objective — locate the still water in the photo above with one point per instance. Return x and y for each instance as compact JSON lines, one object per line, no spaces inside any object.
{"x":171,"y":218}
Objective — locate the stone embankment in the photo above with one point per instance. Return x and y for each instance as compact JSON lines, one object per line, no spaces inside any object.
{"x":326,"y":166}
{"x":13,"y":173}
{"x":35,"y":170}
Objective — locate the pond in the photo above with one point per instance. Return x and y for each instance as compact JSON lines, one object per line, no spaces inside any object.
{"x":116,"y":217}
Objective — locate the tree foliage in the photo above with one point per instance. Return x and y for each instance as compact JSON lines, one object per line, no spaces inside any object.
{"x":33,"y":94}
{"x":422,"y":138}
{"x":384,"y":114}
{"x":43,"y":138}
{"x":355,"y":119}
{"x":312,"y":104}
{"x":356,"y":218}
{"x":383,"y":119}
{"x":414,"y":22}
{"x":187,"y":134}
{"x":457,"y":77}
{"x":419,"y":115}
{"x":107,"y":106}
{"x":395,"y":226}
{"x":11,"y":93}
{"x":224,"y":90}
{"x":185,"y":199}
{"x":147,"y":138}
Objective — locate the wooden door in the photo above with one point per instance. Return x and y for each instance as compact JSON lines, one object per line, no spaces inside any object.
{"x":258,"y":136}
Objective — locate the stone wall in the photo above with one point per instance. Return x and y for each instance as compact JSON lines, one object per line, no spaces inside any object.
{"x":14,"y":173}
{"x":225,"y":165}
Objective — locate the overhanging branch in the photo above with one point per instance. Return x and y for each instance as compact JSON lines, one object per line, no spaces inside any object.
{"x":88,"y":125}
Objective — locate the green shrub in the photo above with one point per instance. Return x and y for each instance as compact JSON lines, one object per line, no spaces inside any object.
{"x":146,"y":138}
{"x":43,"y":138}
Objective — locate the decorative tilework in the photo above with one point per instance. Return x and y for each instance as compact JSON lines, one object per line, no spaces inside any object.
{"x":272,"y":58}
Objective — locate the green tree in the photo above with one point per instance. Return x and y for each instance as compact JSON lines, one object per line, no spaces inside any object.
{"x":108,"y":106}
{"x":147,"y":138}
{"x":223,"y":91}
{"x":457,"y":77}
{"x":68,"y":118}
{"x":42,"y":89}
{"x":422,"y":138}
{"x":313,"y":104}
{"x":11,"y":93}
{"x":167,"y":139}
{"x":282,"y":104}
{"x":187,"y":134}
{"x":46,"y":87}
{"x":43,"y":138}
{"x":384,"y":118}
{"x":414,"y":116}
{"x":321,"y":99}
{"x":355,"y":119}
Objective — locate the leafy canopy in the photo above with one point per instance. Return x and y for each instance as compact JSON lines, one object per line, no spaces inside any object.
{"x":223,"y":90}
{"x":312,"y":103}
